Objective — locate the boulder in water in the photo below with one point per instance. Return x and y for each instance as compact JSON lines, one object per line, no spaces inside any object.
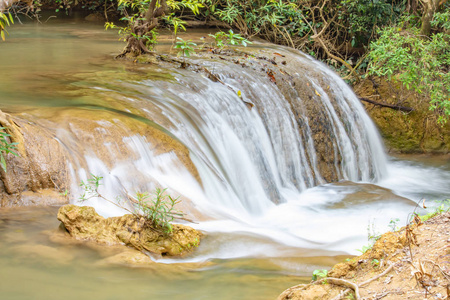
{"x":83,"y":223}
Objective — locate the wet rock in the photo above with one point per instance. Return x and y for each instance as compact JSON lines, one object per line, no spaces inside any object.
{"x":39,"y":172}
{"x":84,"y":223}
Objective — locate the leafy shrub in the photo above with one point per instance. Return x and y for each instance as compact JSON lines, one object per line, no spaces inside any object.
{"x":419,"y":64}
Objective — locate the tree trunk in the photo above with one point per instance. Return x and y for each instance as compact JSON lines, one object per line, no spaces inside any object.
{"x":135,"y":42}
{"x":430,"y":7}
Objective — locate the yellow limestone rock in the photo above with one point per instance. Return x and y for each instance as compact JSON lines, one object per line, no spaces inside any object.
{"x":83,"y":223}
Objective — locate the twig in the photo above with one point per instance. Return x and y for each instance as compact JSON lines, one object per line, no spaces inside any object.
{"x":440,"y":268}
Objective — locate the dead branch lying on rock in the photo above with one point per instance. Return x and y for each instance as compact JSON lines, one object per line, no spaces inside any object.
{"x":396,"y":107}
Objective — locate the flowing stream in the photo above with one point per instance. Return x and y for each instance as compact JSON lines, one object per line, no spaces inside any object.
{"x":286,"y":187}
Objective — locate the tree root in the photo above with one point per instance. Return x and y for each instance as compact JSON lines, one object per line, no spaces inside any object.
{"x":352,"y":286}
{"x":346,"y":283}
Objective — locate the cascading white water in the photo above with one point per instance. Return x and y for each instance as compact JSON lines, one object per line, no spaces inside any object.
{"x":249,"y":160}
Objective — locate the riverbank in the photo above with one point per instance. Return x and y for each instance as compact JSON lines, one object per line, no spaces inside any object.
{"x":408,"y":126}
{"x":411,"y":263}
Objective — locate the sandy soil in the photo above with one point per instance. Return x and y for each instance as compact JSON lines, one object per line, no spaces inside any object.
{"x":412,"y":263}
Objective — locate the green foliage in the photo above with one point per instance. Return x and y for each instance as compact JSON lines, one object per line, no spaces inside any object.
{"x":319,"y":274}
{"x":393,"y":224}
{"x":261,"y":17}
{"x":185,"y":47}
{"x":138,"y":27}
{"x":419,"y":64}
{"x":375,"y":262}
{"x":372,"y":234}
{"x":350,"y":297}
{"x":222,"y":39}
{"x":5,"y":20}
{"x":442,"y":208}
{"x":5,"y":147}
{"x":364,"y":16}
{"x":300,"y":23}
{"x":364,"y":249}
{"x":158,"y":209}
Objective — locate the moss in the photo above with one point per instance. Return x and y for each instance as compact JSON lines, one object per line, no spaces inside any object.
{"x":415,"y":132}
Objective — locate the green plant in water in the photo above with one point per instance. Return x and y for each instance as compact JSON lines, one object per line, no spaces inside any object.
{"x":185,"y":47}
{"x":319,"y":274}
{"x":158,"y":209}
{"x":5,"y":147}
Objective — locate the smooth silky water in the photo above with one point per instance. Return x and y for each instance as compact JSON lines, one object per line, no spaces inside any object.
{"x":269,"y":217}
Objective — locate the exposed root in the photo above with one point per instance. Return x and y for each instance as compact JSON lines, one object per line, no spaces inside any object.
{"x":346,"y":283}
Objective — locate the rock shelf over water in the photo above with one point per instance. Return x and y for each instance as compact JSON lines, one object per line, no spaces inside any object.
{"x":83,"y":223}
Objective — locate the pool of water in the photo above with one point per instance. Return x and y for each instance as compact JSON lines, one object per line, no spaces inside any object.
{"x":36,"y":264}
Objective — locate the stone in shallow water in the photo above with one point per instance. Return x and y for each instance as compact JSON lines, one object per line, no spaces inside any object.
{"x":83,"y":223}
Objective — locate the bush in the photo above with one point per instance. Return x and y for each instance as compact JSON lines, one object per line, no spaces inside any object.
{"x":419,"y":63}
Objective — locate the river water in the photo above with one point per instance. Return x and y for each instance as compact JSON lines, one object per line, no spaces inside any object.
{"x":254,"y":248}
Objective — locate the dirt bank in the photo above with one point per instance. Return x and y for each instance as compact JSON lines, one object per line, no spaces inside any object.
{"x":404,"y":131}
{"x":412,"y":263}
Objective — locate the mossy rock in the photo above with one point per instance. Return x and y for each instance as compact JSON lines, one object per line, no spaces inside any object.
{"x":83,"y":223}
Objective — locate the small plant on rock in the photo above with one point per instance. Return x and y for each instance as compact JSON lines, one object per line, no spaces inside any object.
{"x":364,"y":249}
{"x":443,"y":208}
{"x":393,"y":224}
{"x":158,"y":210}
{"x":5,"y":147}
{"x":319,"y":274}
{"x":222,"y":39}
{"x":185,"y":47}
{"x":375,"y":263}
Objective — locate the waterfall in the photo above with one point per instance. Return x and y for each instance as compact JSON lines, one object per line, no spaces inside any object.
{"x":252,"y":166}
{"x":255,"y":156}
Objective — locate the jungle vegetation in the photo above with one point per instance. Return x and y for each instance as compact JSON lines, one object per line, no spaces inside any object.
{"x":405,"y":41}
